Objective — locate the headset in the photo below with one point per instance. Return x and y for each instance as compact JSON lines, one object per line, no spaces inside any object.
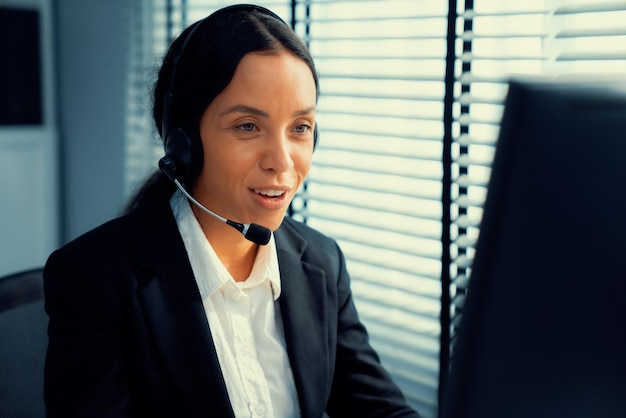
{"x":183,"y":148}
{"x":183,"y":158}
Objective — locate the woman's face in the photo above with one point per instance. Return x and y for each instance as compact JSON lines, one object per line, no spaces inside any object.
{"x":257,"y":137}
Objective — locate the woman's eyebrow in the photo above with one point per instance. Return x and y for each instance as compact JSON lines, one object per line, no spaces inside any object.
{"x":253,"y":110}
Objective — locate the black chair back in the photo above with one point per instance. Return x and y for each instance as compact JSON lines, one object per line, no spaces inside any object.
{"x":23,"y":344}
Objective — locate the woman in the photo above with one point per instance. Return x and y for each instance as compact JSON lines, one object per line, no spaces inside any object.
{"x":169,"y":311}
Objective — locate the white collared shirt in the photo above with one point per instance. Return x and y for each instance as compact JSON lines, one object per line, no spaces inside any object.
{"x":245,"y":322}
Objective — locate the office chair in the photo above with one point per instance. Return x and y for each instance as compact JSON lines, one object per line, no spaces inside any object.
{"x":23,"y":344}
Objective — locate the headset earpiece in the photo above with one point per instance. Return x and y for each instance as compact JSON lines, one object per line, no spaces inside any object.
{"x":184,"y":147}
{"x":316,"y":136}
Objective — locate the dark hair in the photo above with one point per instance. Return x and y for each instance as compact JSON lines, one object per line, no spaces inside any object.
{"x":206,"y":67}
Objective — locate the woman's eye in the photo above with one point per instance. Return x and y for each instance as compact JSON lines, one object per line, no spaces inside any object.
{"x":303,"y":128}
{"x":246,"y":127}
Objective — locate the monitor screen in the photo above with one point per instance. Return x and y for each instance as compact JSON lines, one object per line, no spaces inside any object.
{"x":543,"y":326}
{"x":20,"y":72}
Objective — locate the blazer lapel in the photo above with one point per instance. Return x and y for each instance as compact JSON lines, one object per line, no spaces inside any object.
{"x":175,"y":315}
{"x":305,"y":319}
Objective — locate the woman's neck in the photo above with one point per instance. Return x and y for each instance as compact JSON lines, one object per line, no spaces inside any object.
{"x":235,"y":252}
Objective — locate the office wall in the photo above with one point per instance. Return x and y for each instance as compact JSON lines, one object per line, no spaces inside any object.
{"x":91,"y":57}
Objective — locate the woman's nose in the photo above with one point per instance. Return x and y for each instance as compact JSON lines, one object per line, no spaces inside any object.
{"x":277,"y":154}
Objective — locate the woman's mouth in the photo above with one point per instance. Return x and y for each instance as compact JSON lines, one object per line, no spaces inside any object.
{"x":271,"y":194}
{"x":271,"y":199}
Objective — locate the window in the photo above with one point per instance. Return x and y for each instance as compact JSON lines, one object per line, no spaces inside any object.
{"x":408,"y":119}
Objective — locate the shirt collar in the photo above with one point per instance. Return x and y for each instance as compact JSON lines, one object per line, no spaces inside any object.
{"x":208,"y":270}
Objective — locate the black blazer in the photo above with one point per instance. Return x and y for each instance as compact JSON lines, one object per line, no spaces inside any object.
{"x":128,"y":335}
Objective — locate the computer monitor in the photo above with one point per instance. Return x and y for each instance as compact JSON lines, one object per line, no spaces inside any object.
{"x":543,"y":329}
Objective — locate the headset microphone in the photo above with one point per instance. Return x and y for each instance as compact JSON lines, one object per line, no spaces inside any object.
{"x":252,"y":232}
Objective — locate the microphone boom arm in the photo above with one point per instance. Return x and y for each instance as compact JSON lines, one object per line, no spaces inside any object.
{"x":253,"y":232}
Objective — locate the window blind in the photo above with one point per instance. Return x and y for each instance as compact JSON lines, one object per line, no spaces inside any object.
{"x":152,"y":24}
{"x":138,"y":122}
{"x":375,"y":184}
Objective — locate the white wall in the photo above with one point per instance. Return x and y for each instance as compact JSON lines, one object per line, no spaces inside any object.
{"x":92,"y":55}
